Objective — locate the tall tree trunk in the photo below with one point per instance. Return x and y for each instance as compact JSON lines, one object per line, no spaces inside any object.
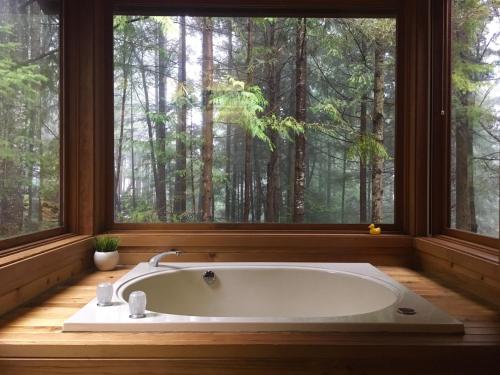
{"x":378,"y":134}
{"x":132,"y":152}
{"x":180,"y":143}
{"x":344,"y":166}
{"x":465,"y":205}
{"x":191,"y":166}
{"x":228,"y":191}
{"x":329,"y":179}
{"x":235,"y":173}
{"x":273,"y":82}
{"x":259,"y":194}
{"x":300,"y":115}
{"x":120,"y":138}
{"x":152,"y":152}
{"x":207,"y":118}
{"x":362,"y":164}
{"x":161,"y":197}
{"x":248,"y":135}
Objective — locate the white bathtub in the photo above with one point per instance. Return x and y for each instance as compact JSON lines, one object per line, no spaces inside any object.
{"x":265,"y":297}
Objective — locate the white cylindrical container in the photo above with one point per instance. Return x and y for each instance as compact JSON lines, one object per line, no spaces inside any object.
{"x":104,"y":294}
{"x":106,"y":261}
{"x":137,"y":304}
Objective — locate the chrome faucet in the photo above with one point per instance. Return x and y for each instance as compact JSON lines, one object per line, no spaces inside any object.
{"x":154,"y":261}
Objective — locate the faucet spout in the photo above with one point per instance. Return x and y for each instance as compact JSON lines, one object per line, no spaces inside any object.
{"x":154,"y":261}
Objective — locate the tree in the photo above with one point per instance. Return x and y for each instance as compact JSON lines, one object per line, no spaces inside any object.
{"x":273,"y":82}
{"x":208,"y":115}
{"x":180,"y":161}
{"x":378,"y":133}
{"x":472,"y":74}
{"x":248,"y":135}
{"x":300,"y":115}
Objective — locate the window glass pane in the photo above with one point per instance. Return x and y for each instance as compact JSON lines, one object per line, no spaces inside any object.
{"x":29,"y":117}
{"x":475,"y":130}
{"x":285,"y":120}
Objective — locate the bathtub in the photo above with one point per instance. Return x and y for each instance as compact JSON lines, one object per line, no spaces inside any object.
{"x":254,"y":297}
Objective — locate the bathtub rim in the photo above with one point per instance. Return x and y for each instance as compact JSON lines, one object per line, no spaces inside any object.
{"x":393,"y":288}
{"x":91,"y":319}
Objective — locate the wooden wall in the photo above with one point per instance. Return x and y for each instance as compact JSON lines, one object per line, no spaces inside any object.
{"x":41,"y":268}
{"x":234,"y":246}
{"x":461,"y":263}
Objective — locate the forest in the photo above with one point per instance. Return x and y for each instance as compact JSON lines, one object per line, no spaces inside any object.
{"x":29,"y":118}
{"x":475,"y":116}
{"x":262,"y":120}
{"x":242,"y":119}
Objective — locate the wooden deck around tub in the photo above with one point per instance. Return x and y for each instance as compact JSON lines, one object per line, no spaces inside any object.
{"x":31,"y":342}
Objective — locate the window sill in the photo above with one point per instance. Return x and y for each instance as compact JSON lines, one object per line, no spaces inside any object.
{"x":20,"y":253}
{"x":474,"y":250}
{"x":458,"y":256}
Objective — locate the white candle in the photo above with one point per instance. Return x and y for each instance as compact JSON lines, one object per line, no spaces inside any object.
{"x":104,"y":293}
{"x":137,"y":304}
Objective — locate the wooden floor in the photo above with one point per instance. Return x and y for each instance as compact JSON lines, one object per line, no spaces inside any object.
{"x":31,"y":342}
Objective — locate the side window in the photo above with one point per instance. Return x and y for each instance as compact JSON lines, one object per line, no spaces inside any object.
{"x":475,"y":120}
{"x":29,"y":113}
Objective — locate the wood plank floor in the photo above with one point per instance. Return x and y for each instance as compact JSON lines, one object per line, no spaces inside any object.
{"x":31,"y":341}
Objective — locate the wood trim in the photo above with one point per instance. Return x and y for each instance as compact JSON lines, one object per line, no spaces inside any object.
{"x":491,"y":242}
{"x":33,"y":271}
{"x":9,"y":243}
{"x":24,"y":251}
{"x":339,"y":228}
{"x":84,"y":60}
{"x":256,"y":7}
{"x":468,"y":266}
{"x":415,"y":94}
{"x":441,"y":101}
{"x":340,"y":362}
{"x":258,"y":246}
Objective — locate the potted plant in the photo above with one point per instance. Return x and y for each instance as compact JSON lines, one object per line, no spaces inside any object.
{"x":106,"y":253}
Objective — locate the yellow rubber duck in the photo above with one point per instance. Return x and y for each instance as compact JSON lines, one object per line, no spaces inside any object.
{"x":373,"y":230}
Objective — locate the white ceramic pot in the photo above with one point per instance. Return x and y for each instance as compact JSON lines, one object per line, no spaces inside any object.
{"x":106,"y":261}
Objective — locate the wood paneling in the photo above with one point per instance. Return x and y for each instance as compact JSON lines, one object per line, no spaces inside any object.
{"x":83,"y":68}
{"x":258,"y":7}
{"x":42,"y":268}
{"x":461,"y":263}
{"x":255,"y":246}
{"x":31,"y":342}
{"x":413,"y":88}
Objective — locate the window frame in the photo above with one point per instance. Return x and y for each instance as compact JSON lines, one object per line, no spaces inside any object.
{"x":7,"y":244}
{"x":318,"y":8}
{"x":440,"y":166}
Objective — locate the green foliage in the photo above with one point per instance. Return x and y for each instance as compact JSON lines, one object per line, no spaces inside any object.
{"x":365,"y":148}
{"x":16,"y":79}
{"x":237,"y":104}
{"x":106,"y":244}
{"x":286,"y":127}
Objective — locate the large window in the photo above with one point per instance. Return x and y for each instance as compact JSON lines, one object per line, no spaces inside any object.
{"x":29,"y":117}
{"x":475,"y":130}
{"x":238,"y":119}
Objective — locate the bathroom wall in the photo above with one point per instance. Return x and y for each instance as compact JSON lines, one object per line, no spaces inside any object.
{"x":233,"y":246}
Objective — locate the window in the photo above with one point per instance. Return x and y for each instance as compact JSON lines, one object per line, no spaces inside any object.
{"x":243,"y":119}
{"x":475,"y":117}
{"x":29,"y":112}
